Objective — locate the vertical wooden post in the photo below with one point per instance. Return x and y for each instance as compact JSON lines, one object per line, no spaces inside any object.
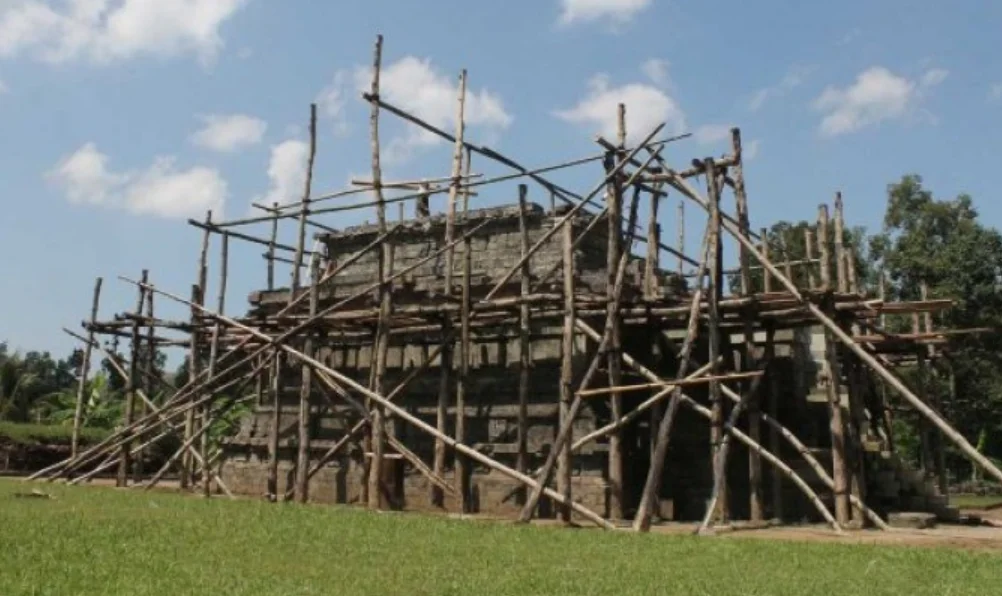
{"x":125,"y":456}
{"x":566,"y":368}
{"x":306,"y":373}
{"x":774,"y":442}
{"x":306,"y":391}
{"x":524,"y":346}
{"x":194,"y":355}
{"x":939,"y":454}
{"x":812,"y":280}
{"x":842,"y":282}
{"x":187,"y":461}
{"x":652,"y":263}
{"x":224,"y":257}
{"x":764,"y":248}
{"x":271,"y":247}
{"x":150,"y":367}
{"x":741,"y":207}
{"x":276,"y":427}
{"x":444,"y":395}
{"x":681,"y":235}
{"x":784,"y":246}
{"x":714,"y":339}
{"x":755,"y":501}
{"x":377,"y":429}
{"x":614,"y":196}
{"x":84,"y":370}
{"x":463,"y":385}
{"x":882,"y":289}
{"x":834,"y":398}
{"x":305,"y":211}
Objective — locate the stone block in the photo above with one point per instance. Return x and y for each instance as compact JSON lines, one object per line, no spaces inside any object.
{"x":911,"y":519}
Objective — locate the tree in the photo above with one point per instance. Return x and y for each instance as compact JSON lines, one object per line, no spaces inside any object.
{"x":941,"y":243}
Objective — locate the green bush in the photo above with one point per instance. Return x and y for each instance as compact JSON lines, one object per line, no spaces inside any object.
{"x":36,"y":434}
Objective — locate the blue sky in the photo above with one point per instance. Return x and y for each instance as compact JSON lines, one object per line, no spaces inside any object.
{"x":121,"y":118}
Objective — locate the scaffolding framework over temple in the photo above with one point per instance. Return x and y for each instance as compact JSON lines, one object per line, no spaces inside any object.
{"x":557,"y":358}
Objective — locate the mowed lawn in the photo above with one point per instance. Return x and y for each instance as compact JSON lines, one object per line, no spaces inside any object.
{"x":103,"y":541}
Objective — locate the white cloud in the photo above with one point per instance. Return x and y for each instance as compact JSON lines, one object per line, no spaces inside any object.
{"x":876,"y":95}
{"x":229,"y":132}
{"x":617,"y":11}
{"x":995,"y":92}
{"x":793,"y":78}
{"x":104,"y":31}
{"x":750,"y":149}
{"x":934,"y":77}
{"x":416,"y":86}
{"x":85,"y":177}
{"x":646,"y":107}
{"x":160,"y":190}
{"x":245,"y":53}
{"x":287,"y":172}
{"x":712,"y":133}
{"x":331,"y":104}
{"x":656,"y":70}
{"x":3,"y":87}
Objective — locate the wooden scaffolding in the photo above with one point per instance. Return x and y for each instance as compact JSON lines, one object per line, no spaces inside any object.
{"x":235,"y":360}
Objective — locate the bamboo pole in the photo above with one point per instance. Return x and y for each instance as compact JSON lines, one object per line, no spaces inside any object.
{"x":301,"y":238}
{"x":84,"y":369}
{"x":524,"y":345}
{"x":566,"y":377}
{"x":276,"y":422}
{"x":714,"y":294}
{"x":460,"y":466}
{"x":812,"y":281}
{"x":681,"y":235}
{"x":652,"y":263}
{"x":214,"y":354}
{"x":125,"y":456}
{"x":774,"y":434}
{"x":842,"y":279}
{"x":149,"y":375}
{"x":305,"y":392}
{"x":444,"y":395}
{"x":462,"y":469}
{"x":194,"y":362}
{"x":271,"y":248}
{"x":764,"y":247}
{"x":684,"y":383}
{"x":939,"y":453}
{"x":376,"y":427}
{"x":614,"y":197}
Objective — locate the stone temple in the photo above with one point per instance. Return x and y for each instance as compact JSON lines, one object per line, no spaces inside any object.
{"x":491,"y":413}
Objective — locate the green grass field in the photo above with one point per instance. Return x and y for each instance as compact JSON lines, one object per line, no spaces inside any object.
{"x":103,"y":541}
{"x":976,"y":501}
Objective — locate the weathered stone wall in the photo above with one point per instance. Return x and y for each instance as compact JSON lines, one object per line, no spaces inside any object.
{"x":491,"y":409}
